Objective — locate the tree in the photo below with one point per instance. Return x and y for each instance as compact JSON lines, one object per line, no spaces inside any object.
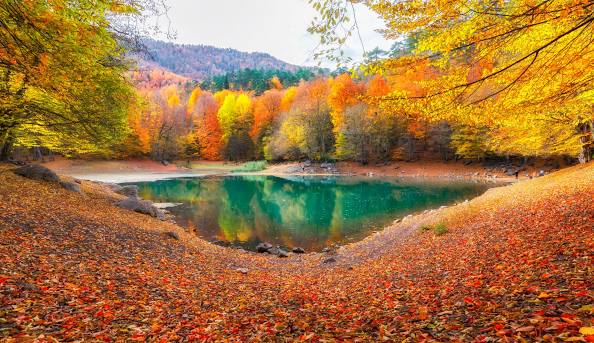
{"x":236,"y":117}
{"x":519,"y":57}
{"x":343,"y":94}
{"x":266,"y":109}
{"x":61,"y":72}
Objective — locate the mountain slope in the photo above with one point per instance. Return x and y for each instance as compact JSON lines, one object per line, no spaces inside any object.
{"x":200,"y":62}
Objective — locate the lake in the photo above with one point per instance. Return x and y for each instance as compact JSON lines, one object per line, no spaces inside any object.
{"x":311,"y":212}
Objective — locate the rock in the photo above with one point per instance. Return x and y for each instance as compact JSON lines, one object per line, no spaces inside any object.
{"x":307,"y":163}
{"x":294,"y":169}
{"x":221,"y":243}
{"x":79,"y":181}
{"x":165,"y":162}
{"x":141,"y":206}
{"x":164,"y":205}
{"x":242,"y":270}
{"x":114,"y":187}
{"x":172,"y":234}
{"x":130,"y":191}
{"x":71,"y":186}
{"x":263,"y":247}
{"x":273,"y":251}
{"x":282,"y":253}
{"x":298,"y":250}
{"x":326,"y":249}
{"x":329,"y":260}
{"x":541,"y":173}
{"x":326,"y":165}
{"x":37,"y":172}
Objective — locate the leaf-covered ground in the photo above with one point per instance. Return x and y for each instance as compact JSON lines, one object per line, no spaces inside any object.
{"x":515,"y":265}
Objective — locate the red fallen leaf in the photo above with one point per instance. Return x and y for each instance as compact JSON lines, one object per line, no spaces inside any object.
{"x":469,"y":300}
{"x":138,"y":336}
{"x":3,"y":280}
{"x":498,"y":326}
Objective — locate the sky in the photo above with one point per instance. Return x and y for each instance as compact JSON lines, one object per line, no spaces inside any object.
{"x":278,"y":27}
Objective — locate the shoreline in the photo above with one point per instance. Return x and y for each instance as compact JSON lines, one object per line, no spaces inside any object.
{"x":126,"y":171}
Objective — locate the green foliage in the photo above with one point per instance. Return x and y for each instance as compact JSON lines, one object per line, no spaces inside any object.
{"x":61,"y":75}
{"x":252,"y":166}
{"x":440,"y":229}
{"x":257,"y":80}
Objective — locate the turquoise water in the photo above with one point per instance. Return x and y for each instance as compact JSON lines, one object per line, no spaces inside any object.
{"x":311,"y":212}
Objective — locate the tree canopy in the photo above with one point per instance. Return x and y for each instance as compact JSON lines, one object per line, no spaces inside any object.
{"x":62,"y":66}
{"x":519,"y":71}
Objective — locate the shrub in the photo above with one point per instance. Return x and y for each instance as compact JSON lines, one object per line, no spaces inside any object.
{"x":252,"y":166}
{"x":440,"y":229}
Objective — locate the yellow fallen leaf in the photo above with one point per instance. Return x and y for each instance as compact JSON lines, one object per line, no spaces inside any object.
{"x":543,"y":295}
{"x":587,"y":330}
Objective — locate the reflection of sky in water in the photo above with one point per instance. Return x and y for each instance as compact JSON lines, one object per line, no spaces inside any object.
{"x":310,"y":212}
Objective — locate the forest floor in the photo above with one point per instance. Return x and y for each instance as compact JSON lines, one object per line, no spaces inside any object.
{"x":147,"y":170}
{"x":515,"y":264}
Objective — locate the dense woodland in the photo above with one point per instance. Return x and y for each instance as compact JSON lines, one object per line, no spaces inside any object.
{"x":512,"y":80}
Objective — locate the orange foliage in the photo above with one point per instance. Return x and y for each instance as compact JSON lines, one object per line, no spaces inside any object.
{"x":266,"y":108}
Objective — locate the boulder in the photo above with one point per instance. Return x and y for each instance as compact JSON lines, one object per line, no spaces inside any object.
{"x":37,"y":172}
{"x":71,"y":186}
{"x":142,"y":206}
{"x":130,"y":191}
{"x":172,"y":234}
{"x":114,"y":187}
{"x":298,"y":250}
{"x":326,"y":165}
{"x":307,"y":163}
{"x":263,"y":247}
{"x":281,"y":253}
{"x":329,"y":260}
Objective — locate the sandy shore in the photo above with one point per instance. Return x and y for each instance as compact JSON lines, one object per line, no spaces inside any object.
{"x":147,"y":170}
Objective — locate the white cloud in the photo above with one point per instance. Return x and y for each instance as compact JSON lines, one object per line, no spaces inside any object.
{"x":277,"y":27}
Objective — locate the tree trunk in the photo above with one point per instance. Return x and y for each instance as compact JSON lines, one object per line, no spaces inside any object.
{"x":6,"y":141}
{"x":587,"y":131}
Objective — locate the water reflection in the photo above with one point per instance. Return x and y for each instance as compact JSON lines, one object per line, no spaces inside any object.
{"x":310,"y":212}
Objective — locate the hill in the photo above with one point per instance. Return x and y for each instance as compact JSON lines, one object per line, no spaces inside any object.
{"x":200,"y":62}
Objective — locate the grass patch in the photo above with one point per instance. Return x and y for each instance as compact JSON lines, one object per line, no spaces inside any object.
{"x":439,"y":229}
{"x":252,"y":166}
